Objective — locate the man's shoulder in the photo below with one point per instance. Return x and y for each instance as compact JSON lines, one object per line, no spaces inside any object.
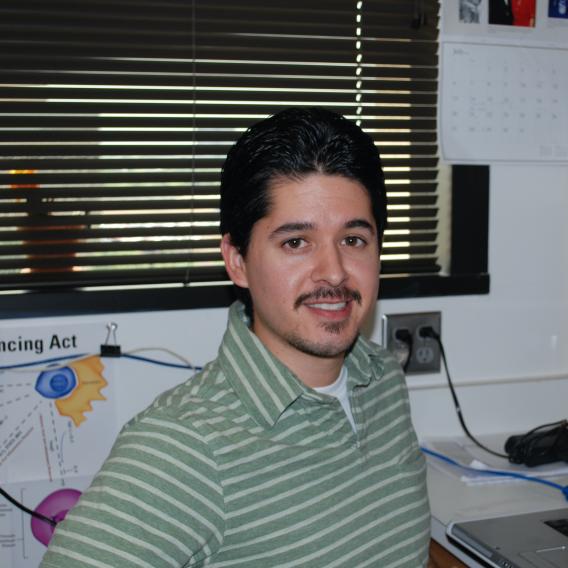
{"x":205,"y":394}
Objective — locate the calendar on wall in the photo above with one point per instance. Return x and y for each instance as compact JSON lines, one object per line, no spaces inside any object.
{"x":500,"y":103}
{"x":503,"y":86}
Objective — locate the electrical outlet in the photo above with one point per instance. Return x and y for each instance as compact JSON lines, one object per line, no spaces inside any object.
{"x":424,"y":351}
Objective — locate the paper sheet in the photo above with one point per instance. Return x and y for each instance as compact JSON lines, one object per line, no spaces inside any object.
{"x":465,"y":452}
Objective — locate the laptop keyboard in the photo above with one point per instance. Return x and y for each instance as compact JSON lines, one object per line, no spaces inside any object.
{"x":560,"y":525}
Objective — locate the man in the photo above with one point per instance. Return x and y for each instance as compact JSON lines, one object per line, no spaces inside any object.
{"x":294,"y":447}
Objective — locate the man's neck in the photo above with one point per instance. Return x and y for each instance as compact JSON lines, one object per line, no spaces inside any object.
{"x":312,"y":370}
{"x":321,"y":375}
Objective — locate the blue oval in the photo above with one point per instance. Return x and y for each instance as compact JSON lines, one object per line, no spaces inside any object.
{"x":57,"y":383}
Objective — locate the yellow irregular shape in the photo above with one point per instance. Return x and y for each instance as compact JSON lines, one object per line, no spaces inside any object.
{"x":90,"y":382}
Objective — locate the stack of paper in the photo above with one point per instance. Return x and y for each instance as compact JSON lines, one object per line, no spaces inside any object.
{"x":466,"y":453}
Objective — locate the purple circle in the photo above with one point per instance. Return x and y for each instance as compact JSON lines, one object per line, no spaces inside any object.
{"x":55,"y":506}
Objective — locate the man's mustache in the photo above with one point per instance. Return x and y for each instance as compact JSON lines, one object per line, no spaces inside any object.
{"x":340,"y":293}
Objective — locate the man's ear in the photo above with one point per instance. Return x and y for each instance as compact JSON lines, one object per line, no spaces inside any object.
{"x":234,"y":262}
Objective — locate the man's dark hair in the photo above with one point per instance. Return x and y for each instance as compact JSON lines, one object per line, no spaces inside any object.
{"x":292,"y":144}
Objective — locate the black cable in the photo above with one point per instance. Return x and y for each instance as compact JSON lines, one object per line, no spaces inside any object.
{"x":429,"y":332}
{"x":26,"y":510}
{"x":557,"y":423}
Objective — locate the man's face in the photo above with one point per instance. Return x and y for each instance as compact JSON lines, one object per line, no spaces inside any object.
{"x":312,"y":266}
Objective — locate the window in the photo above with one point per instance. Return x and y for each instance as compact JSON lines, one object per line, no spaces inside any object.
{"x":117,"y":116}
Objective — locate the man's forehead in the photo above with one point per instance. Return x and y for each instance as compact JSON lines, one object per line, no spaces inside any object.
{"x":316,"y":189}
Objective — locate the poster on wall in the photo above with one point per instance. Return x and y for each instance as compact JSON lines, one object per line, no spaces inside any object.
{"x":503,"y":81}
{"x":500,"y":107}
{"x":58,"y":422}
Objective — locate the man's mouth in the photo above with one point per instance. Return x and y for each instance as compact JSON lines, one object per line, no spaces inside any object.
{"x":329,"y":299}
{"x":336,"y":307}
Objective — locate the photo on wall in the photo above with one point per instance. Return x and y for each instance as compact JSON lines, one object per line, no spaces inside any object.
{"x":558,"y":9}
{"x":470,"y":11}
{"x":520,"y":13}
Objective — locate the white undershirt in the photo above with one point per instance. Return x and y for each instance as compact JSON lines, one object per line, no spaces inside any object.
{"x":338,"y":389}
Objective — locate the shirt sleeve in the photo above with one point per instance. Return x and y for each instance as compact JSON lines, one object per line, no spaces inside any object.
{"x":156,"y":503}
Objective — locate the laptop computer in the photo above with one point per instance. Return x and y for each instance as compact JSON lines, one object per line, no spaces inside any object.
{"x":528,"y":540}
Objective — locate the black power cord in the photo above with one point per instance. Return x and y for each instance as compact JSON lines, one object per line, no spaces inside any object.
{"x":429,"y":332}
{"x":19,"y":505}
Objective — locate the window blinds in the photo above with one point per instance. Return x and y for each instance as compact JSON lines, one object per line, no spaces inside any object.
{"x":116,"y":117}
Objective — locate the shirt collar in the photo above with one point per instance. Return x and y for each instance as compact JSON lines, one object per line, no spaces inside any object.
{"x":365,"y":361}
{"x":265,"y":385}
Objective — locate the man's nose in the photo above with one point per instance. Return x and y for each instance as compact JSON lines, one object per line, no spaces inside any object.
{"x":329,"y":266}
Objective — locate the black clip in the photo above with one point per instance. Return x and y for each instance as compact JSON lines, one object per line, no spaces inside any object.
{"x":111,"y":349}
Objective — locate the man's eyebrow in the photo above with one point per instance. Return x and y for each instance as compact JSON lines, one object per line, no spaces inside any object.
{"x":360,"y":223}
{"x":291,"y":228}
{"x":295,"y":227}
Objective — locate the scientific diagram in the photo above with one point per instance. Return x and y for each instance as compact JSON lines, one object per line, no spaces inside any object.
{"x":57,"y":425}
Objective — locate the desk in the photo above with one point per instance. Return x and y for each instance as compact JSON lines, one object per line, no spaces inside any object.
{"x":451,"y":500}
{"x":441,"y":558}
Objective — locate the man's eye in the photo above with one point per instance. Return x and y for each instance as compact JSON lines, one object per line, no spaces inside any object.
{"x":353,"y":241}
{"x":295,"y":243}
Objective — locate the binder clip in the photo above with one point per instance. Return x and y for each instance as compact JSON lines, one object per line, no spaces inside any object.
{"x":111,"y":349}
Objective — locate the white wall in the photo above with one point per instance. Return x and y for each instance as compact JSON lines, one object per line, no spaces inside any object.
{"x":509,"y":347}
{"x":508,"y":350}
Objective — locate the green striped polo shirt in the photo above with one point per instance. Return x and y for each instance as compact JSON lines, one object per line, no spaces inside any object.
{"x":244,"y":465}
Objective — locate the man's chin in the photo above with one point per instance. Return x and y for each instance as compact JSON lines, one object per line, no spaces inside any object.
{"x":334,"y":327}
{"x":329,"y":349}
